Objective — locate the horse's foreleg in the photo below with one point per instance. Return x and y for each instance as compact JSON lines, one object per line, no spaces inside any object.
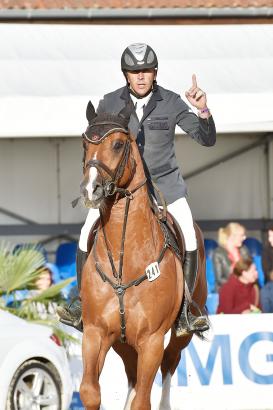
{"x":94,"y":349}
{"x":169,"y":364}
{"x":129,"y":358}
{"x":150,"y":354}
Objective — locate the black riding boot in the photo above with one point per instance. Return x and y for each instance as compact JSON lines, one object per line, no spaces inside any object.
{"x":187,"y":322}
{"x":71,"y":315}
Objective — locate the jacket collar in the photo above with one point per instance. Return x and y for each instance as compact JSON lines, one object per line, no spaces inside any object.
{"x":156,"y":96}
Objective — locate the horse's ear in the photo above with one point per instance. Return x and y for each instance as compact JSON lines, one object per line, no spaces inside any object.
{"x":127,"y":111}
{"x":90,"y":112}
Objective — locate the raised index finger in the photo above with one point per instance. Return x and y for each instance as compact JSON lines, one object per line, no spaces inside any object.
{"x":194,"y":81}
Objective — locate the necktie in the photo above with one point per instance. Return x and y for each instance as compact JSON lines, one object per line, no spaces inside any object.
{"x":139,"y":109}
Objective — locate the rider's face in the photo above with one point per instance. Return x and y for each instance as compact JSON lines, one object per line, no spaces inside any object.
{"x":141,"y":81}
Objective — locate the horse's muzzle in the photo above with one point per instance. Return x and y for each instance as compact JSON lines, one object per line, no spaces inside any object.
{"x":94,"y":199}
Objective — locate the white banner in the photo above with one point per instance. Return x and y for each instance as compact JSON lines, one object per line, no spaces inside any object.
{"x":233,"y":370}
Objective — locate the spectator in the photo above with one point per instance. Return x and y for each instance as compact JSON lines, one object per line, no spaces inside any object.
{"x":229,"y":251}
{"x":267,"y":260}
{"x":240,"y":294}
{"x":44,"y":307}
{"x":45,"y":279}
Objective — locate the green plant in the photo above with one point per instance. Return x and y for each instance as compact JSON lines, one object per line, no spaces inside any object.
{"x":20,"y":269}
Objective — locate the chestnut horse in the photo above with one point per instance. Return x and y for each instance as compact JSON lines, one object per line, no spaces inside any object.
{"x":120,"y":308}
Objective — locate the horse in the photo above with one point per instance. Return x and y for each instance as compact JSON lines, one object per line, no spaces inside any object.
{"x":132,"y":281}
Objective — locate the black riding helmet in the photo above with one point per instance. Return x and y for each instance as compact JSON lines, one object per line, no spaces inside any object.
{"x":138,"y":56}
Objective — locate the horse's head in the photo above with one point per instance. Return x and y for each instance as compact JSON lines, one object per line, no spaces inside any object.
{"x":108,"y":163}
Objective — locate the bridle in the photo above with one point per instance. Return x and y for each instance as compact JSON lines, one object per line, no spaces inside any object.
{"x":109,"y":184}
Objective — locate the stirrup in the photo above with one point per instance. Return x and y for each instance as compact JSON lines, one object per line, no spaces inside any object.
{"x":70,"y":318}
{"x":188,"y":323}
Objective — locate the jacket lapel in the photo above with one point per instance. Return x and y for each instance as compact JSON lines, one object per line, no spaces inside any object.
{"x":156,"y":96}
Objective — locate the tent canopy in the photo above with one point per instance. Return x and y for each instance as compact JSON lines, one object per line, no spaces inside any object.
{"x":49,"y":72}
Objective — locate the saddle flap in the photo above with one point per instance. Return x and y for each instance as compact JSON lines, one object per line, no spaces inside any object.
{"x":176,"y":234}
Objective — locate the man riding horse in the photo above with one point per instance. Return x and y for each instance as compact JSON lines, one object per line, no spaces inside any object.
{"x":155,"y":114}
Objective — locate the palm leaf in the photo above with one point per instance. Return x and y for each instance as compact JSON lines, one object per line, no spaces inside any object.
{"x":20,"y":268}
{"x":51,"y":292}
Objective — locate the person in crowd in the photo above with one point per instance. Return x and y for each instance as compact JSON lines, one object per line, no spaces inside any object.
{"x":267,"y":261}
{"x":45,"y":308}
{"x":229,"y":251}
{"x":155,"y":113}
{"x":45,"y":279}
{"x":240,"y":294}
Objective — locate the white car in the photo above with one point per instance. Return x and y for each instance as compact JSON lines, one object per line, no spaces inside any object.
{"x":34,"y":370}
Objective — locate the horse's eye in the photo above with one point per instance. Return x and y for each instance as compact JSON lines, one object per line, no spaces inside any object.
{"x":117,"y":145}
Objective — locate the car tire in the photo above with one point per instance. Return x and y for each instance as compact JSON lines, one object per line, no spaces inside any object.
{"x":35,"y":384}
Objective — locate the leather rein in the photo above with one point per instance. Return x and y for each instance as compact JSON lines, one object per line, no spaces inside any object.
{"x":110,"y":188}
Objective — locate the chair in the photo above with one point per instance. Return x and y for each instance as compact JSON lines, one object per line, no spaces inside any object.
{"x":210,"y":245}
{"x":255,"y":248}
{"x":66,"y":263}
{"x":212,"y":303}
{"x":66,"y":254}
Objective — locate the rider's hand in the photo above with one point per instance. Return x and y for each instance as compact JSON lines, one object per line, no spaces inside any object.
{"x":197,"y":98}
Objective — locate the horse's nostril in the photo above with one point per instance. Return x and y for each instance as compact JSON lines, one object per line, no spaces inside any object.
{"x":96,"y":187}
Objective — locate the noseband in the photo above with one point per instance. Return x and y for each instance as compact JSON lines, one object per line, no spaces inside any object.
{"x":109,"y":185}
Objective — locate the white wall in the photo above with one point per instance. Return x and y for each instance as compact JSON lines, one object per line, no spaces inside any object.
{"x":233,"y":189}
{"x":39,"y":186}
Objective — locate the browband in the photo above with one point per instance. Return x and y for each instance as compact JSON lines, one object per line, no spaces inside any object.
{"x":97,"y":139}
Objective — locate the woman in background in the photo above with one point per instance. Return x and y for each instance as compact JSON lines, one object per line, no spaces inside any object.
{"x":229,"y":251}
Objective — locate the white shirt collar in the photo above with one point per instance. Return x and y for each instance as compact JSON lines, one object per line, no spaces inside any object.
{"x":143,"y":101}
{"x":140,"y":104}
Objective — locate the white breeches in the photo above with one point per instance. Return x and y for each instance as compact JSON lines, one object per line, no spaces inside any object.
{"x":179,"y":209}
{"x":92,"y":216}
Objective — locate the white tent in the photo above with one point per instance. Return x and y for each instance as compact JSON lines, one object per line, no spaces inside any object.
{"x":48,"y":72}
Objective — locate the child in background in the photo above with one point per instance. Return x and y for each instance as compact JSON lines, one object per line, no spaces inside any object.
{"x":240,"y":294}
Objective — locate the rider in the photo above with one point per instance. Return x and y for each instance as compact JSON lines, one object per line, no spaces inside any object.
{"x":157,"y":112}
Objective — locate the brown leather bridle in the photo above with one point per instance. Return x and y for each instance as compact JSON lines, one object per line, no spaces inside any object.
{"x":109,"y":184}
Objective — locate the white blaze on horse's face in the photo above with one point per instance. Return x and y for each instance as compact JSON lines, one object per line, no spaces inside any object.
{"x":90,"y":186}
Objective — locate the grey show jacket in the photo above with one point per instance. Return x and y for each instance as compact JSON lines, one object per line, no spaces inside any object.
{"x":155,"y":135}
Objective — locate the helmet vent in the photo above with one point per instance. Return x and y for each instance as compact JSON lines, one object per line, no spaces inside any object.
{"x":128,"y":60}
{"x":150,"y":57}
